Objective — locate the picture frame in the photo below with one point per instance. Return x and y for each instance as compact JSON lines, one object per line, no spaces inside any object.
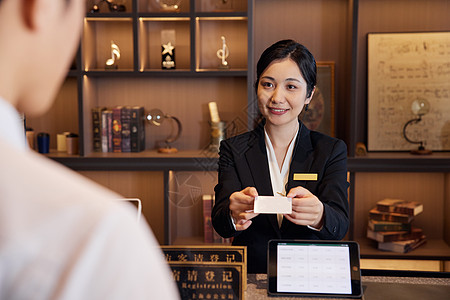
{"x":320,"y":115}
{"x":401,"y":68}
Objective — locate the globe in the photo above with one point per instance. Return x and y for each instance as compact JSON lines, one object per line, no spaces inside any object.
{"x":420,"y":106}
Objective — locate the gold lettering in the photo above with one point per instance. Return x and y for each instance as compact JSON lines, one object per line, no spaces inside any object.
{"x":192,"y":275}
{"x":214,"y":257}
{"x":182,"y":257}
{"x":198,"y":257}
{"x":176,"y":275}
{"x":209,"y":275}
{"x":227,"y":276}
{"x":231,"y":258}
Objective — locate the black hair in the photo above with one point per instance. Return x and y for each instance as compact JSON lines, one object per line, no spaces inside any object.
{"x":295,"y":51}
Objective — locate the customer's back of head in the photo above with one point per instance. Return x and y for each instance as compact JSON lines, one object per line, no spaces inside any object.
{"x":61,"y":235}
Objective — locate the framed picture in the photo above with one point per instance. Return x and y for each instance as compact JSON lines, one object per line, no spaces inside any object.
{"x":320,"y":115}
{"x":403,"y":68}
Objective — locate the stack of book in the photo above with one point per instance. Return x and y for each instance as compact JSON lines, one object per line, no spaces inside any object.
{"x":119,"y":129}
{"x":210,"y":235}
{"x":390,"y":224}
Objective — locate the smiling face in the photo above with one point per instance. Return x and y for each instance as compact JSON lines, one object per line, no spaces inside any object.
{"x":282,"y":93}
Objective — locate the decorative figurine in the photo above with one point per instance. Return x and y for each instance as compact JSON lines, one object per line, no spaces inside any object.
{"x":169,"y":5}
{"x":223,"y":53}
{"x":168,"y":49}
{"x":113,"y":7}
{"x":115,"y":55}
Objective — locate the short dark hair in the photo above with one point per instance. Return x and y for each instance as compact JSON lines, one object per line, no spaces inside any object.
{"x":295,"y":51}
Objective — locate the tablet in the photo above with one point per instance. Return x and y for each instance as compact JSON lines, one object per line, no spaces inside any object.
{"x":314,"y":268}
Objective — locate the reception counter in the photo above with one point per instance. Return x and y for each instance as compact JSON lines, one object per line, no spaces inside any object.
{"x":382,"y":285}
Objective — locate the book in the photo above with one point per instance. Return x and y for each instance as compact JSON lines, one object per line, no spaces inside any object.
{"x":402,"y":246}
{"x":390,"y":236}
{"x":117,"y":129}
{"x":375,"y":225}
{"x":107,"y":131}
{"x":377,"y":215}
{"x":97,"y":128}
{"x":412,"y":208}
{"x":208,"y":235}
{"x":137,"y":124}
{"x":126,"y":129}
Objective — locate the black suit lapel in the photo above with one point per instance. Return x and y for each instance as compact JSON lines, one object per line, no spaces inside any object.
{"x":301,"y":158}
{"x":259,"y":167}
{"x":256,"y":157}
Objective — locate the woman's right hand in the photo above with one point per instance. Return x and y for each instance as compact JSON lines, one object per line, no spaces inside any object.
{"x":241,"y":207}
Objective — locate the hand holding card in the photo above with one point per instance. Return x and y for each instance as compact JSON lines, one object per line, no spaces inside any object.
{"x":272,"y":205}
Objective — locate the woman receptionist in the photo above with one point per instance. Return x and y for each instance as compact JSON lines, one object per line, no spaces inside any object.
{"x":282,"y":157}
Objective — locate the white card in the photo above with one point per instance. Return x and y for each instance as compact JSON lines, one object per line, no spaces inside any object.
{"x":272,"y":205}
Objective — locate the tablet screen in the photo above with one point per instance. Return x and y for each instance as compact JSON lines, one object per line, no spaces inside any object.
{"x":314,"y":268}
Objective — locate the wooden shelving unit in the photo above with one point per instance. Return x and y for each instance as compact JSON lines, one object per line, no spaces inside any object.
{"x":334,"y":30}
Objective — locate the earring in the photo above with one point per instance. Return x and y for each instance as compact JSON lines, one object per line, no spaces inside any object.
{"x":306,"y":107}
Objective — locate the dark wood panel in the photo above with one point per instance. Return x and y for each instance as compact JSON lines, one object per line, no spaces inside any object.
{"x":390,"y":16}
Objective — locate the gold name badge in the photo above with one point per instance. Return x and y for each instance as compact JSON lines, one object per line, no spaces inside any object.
{"x":310,"y":176}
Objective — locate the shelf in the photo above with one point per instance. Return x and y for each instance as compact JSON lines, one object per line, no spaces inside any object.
{"x":98,"y":35}
{"x":164,"y":73}
{"x":354,"y":164}
{"x":139,"y":161}
{"x":400,"y":162}
{"x":153,"y":7}
{"x":433,"y":249}
{"x":108,"y":15}
{"x":230,"y":6}
{"x":150,"y":43}
{"x":209,"y":31}
{"x":104,"y":9}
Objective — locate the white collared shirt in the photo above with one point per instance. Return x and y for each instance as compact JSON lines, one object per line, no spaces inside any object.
{"x":11,"y":126}
{"x":278,"y":177}
{"x":64,"y":237}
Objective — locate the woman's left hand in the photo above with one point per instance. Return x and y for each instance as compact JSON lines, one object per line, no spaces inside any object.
{"x":306,"y":208}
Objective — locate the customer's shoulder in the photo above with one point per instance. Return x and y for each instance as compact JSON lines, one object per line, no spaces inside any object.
{"x":46,"y":179}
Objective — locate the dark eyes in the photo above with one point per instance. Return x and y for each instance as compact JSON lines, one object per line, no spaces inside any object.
{"x":267,"y":84}
{"x":271,"y":85}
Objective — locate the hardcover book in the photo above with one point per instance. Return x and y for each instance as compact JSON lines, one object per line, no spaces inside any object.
{"x":207,"y":225}
{"x":126,"y":129}
{"x":390,"y":236}
{"x":97,"y":128}
{"x":375,"y":225}
{"x":107,"y":131}
{"x":117,"y":129}
{"x":137,"y":124}
{"x":412,"y":208}
{"x":377,"y":215}
{"x":403,"y":246}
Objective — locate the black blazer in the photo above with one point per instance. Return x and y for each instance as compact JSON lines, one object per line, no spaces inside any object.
{"x":243,"y":163}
